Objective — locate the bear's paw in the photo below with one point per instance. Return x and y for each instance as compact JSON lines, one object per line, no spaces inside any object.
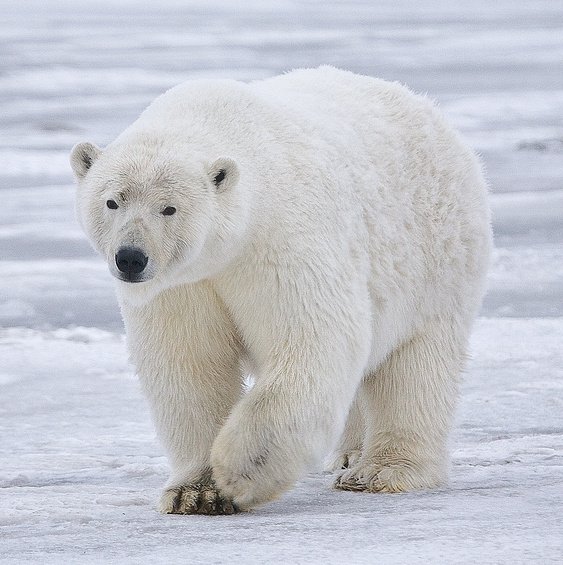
{"x":343,"y":460}
{"x":388,"y":476}
{"x":196,"y":498}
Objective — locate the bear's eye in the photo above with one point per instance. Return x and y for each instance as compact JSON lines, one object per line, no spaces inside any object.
{"x":219,"y":177}
{"x":112,"y":205}
{"x":168,"y":211}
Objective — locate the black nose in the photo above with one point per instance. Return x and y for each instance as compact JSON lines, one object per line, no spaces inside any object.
{"x":131,"y":261}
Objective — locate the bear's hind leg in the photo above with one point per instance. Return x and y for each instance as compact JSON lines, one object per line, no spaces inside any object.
{"x":408,"y":404}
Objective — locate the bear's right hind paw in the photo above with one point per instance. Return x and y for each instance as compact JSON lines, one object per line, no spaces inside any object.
{"x":343,"y":460}
{"x":196,"y":498}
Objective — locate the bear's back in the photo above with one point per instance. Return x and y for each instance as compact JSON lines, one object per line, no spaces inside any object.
{"x":332,"y":98}
{"x":327,"y":100}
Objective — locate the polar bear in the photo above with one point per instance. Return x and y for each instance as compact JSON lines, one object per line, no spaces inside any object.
{"x":326,"y":231}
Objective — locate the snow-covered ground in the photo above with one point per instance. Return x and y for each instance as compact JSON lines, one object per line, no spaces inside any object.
{"x":80,"y":469}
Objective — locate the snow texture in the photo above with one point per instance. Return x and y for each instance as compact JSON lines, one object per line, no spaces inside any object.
{"x":80,"y":468}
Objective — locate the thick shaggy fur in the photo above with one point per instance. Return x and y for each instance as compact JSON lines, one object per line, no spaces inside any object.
{"x":341,"y":257}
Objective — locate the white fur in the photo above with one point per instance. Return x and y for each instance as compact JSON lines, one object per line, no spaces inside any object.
{"x":343,"y":257}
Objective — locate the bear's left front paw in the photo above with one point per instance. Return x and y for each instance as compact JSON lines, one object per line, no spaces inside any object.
{"x":247,"y":482}
{"x":249,"y":470}
{"x":196,"y":498}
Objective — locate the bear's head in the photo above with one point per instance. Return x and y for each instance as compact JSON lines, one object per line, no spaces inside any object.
{"x":158,"y":221}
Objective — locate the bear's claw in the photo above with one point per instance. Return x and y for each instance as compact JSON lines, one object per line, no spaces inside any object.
{"x":343,"y":460}
{"x":384,"y":475}
{"x":196,"y":498}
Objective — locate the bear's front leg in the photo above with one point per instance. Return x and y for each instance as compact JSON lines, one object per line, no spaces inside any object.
{"x":295,"y":411}
{"x":187,"y":356}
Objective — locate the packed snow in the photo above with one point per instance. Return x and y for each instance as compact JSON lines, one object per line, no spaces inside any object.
{"x":80,"y":468}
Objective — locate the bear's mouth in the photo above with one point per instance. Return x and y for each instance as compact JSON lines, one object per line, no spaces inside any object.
{"x":130,"y":278}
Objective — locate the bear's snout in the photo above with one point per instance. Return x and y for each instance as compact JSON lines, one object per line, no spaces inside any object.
{"x":131,"y":262}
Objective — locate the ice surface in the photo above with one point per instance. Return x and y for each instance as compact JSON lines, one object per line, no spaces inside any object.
{"x":80,"y":468}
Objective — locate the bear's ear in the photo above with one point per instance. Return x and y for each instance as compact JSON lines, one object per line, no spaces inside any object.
{"x":223,"y":173}
{"x":82,"y":158}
